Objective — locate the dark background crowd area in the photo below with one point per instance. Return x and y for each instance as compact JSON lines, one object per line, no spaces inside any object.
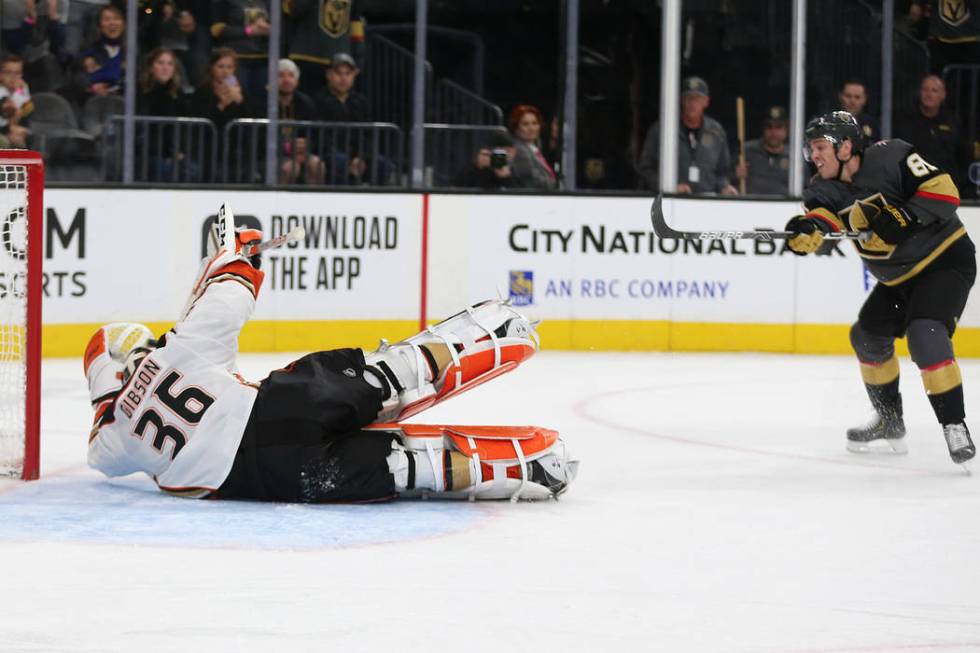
{"x":511,"y":54}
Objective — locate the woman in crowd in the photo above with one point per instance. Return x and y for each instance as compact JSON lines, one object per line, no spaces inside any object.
{"x":530,"y":167}
{"x":161,"y":93}
{"x":219,"y":97}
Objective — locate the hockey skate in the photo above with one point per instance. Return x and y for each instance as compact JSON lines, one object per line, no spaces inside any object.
{"x":450,"y":357}
{"x":479,"y":462}
{"x":960,"y":443}
{"x":880,"y":435}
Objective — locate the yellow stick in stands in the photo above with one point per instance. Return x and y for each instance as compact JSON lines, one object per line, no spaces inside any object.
{"x":740,"y":125}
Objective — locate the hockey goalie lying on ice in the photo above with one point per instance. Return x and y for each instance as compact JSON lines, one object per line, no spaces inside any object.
{"x":323,"y":428}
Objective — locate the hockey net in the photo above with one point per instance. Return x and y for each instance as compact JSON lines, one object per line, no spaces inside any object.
{"x":21,"y":220}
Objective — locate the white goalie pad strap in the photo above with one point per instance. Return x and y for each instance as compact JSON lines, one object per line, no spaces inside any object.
{"x":436,"y":463}
{"x":489,"y":332}
{"x":523,"y":467}
{"x":477,"y":470}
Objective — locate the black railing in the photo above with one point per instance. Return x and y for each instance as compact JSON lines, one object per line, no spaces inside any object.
{"x":315,"y":153}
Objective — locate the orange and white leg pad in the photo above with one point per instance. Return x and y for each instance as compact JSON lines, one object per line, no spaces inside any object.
{"x":453,"y":356}
{"x":478,"y":462}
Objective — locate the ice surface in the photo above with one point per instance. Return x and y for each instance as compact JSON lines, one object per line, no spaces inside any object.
{"x":716,"y":510}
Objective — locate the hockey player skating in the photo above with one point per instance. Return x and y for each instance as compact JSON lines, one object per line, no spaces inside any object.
{"x":323,"y":427}
{"x":919,"y":252}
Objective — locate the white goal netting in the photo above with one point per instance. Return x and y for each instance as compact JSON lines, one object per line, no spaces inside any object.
{"x":13,"y":316}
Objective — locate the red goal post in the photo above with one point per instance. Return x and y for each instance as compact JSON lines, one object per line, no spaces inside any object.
{"x":21,"y":255}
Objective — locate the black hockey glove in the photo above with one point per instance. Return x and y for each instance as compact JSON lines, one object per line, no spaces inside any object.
{"x":809,"y":232}
{"x":892,"y":224}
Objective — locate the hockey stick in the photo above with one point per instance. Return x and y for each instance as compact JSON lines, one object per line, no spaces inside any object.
{"x":296,"y":234}
{"x":663,"y":230}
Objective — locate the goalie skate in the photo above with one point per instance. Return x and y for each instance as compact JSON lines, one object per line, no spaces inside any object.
{"x":450,"y":357}
{"x":479,"y":462}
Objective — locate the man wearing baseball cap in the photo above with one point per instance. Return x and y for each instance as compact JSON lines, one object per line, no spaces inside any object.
{"x":766,"y":167}
{"x":704,"y":164}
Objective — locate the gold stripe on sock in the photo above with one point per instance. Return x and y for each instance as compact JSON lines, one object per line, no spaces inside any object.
{"x":461,"y":471}
{"x":942,"y":377}
{"x":879,"y":373}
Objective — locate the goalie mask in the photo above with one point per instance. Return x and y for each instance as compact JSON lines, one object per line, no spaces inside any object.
{"x":128,"y":343}
{"x":135,"y":357}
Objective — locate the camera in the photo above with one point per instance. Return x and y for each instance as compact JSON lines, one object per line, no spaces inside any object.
{"x":498,"y":158}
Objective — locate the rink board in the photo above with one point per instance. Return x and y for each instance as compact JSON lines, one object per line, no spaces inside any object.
{"x":379,"y":264}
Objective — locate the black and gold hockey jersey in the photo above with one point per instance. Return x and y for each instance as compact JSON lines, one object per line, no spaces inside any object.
{"x":892,"y":173}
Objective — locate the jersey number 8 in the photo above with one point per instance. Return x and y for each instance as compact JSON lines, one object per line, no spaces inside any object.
{"x":919,"y":166}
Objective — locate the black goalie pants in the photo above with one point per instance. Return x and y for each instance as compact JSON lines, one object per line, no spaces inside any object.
{"x":303,"y":441}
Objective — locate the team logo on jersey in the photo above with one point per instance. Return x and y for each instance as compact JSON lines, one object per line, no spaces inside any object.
{"x":522,"y":287}
{"x":335,"y":17}
{"x":254,"y":14}
{"x":954,"y":12}
{"x":855,"y":218}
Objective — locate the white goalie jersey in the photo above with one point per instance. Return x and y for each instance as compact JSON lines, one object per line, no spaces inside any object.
{"x":181,"y":414}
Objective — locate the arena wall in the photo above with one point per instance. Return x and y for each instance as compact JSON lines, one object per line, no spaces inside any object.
{"x":379,"y":265}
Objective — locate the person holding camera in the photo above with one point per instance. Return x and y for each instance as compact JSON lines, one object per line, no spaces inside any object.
{"x":529,"y":164}
{"x":492,"y":166}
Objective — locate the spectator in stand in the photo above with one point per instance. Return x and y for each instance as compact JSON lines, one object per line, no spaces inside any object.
{"x":704,"y":164}
{"x":161,"y":93}
{"x":952,"y":29}
{"x":319,"y":30}
{"x":934,"y":132}
{"x":161,"y":88}
{"x":180,"y":26}
{"x":15,"y":26}
{"x":82,"y":27}
{"x":339,"y":102}
{"x":492,"y":167}
{"x":243,"y":25}
{"x":15,"y":101}
{"x":103,"y":63}
{"x":27,"y":21}
{"x":529,"y":166}
{"x":293,"y":103}
{"x":853,"y":98}
{"x":766,"y":167}
{"x":302,"y":167}
{"x":219,"y":96}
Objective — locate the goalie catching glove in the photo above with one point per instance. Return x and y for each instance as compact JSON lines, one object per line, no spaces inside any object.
{"x":448,"y":358}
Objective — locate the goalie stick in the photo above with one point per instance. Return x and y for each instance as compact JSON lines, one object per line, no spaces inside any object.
{"x":296,"y":234}
{"x":223,"y":235}
{"x":663,"y":230}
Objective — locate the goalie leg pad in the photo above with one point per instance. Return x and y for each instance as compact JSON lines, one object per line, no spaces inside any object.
{"x":450,"y":357}
{"x":478,"y":462}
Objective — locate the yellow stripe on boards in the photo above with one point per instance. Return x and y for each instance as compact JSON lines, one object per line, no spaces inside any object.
{"x":576,"y":335}
{"x":257,"y":336}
